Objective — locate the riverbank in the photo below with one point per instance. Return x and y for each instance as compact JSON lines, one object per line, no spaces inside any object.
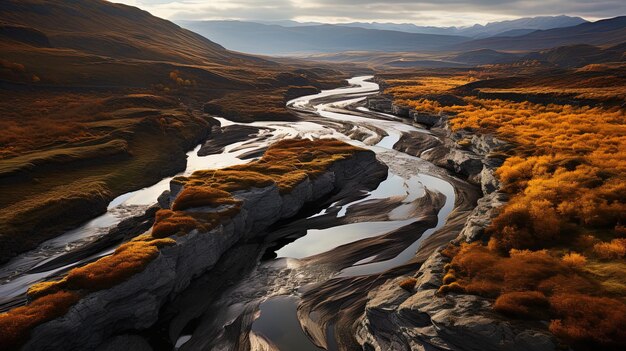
{"x":136,"y":141}
{"x":95,"y":146}
{"x":329,"y":260}
{"x":408,"y":312}
{"x":191,"y":252}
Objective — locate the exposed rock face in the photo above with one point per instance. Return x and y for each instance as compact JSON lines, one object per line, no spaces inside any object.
{"x":135,"y":303}
{"x":427,"y":119}
{"x":400,"y":110}
{"x":476,"y":162}
{"x":395,"y":319}
{"x":379,"y":103}
{"x":481,"y":216}
{"x":224,"y":136}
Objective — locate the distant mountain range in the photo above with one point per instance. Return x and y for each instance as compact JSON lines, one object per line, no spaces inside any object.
{"x":524,"y":34}
{"x":607,"y":32}
{"x":513,"y":27}
{"x":274,"y":39}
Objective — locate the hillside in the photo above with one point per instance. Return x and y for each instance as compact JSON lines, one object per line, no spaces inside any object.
{"x":103,"y":98}
{"x":579,"y":55}
{"x":109,"y":29}
{"x":605,"y":32}
{"x":108,"y":42}
{"x":484,"y":56}
{"x":275,"y":39}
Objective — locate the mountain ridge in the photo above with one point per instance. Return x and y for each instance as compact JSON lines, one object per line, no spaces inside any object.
{"x":475,"y":31}
{"x":606,"y":32}
{"x":275,"y":39}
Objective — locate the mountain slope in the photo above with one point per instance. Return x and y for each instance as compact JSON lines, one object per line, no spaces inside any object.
{"x":601,"y":33}
{"x":112,"y":45}
{"x":274,"y":39}
{"x":579,"y":55}
{"x":109,"y":29}
{"x":99,"y":99}
{"x":484,"y":56}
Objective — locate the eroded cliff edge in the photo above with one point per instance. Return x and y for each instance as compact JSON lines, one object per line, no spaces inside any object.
{"x":134,"y":303}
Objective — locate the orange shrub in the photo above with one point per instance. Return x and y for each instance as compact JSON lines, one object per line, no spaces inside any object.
{"x":588,"y":322}
{"x":585,"y":241}
{"x":16,"y":324}
{"x":523,"y":304}
{"x":450,"y":251}
{"x":574,"y":260}
{"x":474,"y":259}
{"x":616,"y":249}
{"x":484,"y":272}
{"x":453,"y":287}
{"x":168,"y":222}
{"x":449,"y":277}
{"x":525,"y":226}
{"x":408,"y":284}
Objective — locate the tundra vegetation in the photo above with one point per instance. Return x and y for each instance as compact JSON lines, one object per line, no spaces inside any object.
{"x":556,"y":251}
{"x":285,"y":164}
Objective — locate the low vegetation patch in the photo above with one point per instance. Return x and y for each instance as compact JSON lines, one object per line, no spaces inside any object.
{"x":16,"y":324}
{"x":127,"y":260}
{"x":286,"y":163}
{"x":197,"y":196}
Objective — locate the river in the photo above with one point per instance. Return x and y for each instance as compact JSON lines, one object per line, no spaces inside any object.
{"x":305,"y":254}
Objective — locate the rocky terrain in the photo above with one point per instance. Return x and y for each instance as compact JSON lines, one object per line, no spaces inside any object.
{"x":420,"y":318}
{"x":134,"y":304}
{"x":211,"y":289}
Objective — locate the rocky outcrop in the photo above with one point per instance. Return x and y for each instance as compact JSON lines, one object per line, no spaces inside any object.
{"x":395,"y":319}
{"x":427,"y":119}
{"x":224,"y":136}
{"x":473,"y":157}
{"x":398,"y":320}
{"x":135,"y":303}
{"x":481,"y":216}
{"x":380,"y":103}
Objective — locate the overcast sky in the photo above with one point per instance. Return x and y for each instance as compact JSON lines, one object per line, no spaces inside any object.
{"x":420,"y":12}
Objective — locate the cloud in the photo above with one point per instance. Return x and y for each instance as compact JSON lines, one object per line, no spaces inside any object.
{"x":421,"y":12}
